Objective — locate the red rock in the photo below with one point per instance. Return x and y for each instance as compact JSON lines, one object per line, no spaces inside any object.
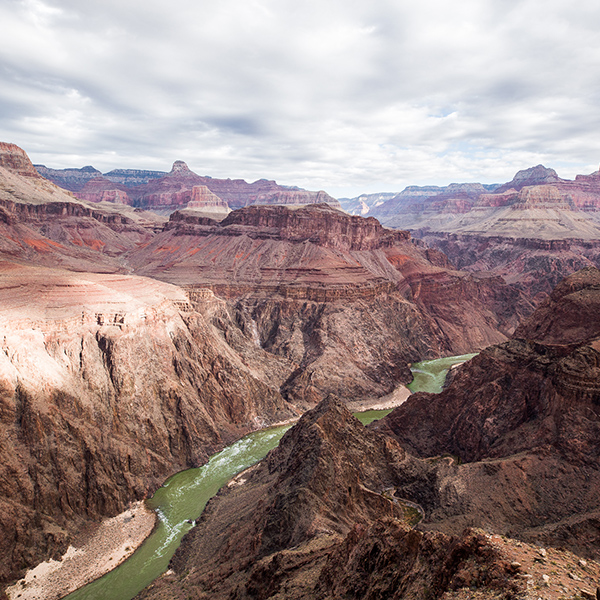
{"x":202,"y":198}
{"x":316,"y":519}
{"x":522,"y":417}
{"x":15,"y":160}
{"x":108,"y":385}
{"x":100,"y":189}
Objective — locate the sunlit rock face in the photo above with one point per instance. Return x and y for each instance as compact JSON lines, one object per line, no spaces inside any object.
{"x":108,"y":384}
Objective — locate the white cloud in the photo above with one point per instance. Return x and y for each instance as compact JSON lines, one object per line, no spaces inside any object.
{"x":342,"y":95}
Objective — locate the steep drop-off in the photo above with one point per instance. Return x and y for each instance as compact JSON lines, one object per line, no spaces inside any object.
{"x":108,"y":384}
{"x":344,"y":303}
{"x":318,"y":519}
{"x":524,"y":419}
{"x":509,"y":449}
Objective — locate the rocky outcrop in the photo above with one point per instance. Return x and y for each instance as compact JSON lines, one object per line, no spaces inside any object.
{"x":538,"y":175}
{"x":69,"y":179}
{"x":510,"y":447}
{"x":317,"y":288}
{"x":318,"y":519}
{"x":108,"y":385}
{"x":524,"y":413}
{"x":321,"y":225}
{"x":535,"y":266}
{"x":133,"y":177}
{"x":15,"y":160}
{"x":101,"y":189}
{"x":203,"y":199}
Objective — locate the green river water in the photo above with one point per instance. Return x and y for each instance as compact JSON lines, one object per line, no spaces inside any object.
{"x":183,"y":496}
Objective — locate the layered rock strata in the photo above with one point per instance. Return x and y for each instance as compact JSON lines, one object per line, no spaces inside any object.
{"x":317,"y":288}
{"x":157,"y":190}
{"x":523,"y":419}
{"x":108,"y":384}
{"x":509,"y":449}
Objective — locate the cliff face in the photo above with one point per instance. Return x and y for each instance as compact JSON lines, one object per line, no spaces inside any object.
{"x":14,"y":159}
{"x":525,"y":417}
{"x":344,"y":302}
{"x":510,"y":447}
{"x":535,"y":266}
{"x":173,"y":190}
{"x":108,"y":385}
{"x":318,"y":519}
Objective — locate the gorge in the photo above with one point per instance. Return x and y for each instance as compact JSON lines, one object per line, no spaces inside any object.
{"x":136,"y":344}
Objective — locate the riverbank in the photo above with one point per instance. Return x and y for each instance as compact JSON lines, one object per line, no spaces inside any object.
{"x":115,"y":540}
{"x":395,"y":398}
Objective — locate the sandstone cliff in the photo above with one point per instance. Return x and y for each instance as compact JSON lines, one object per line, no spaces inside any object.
{"x":157,"y":190}
{"x":510,"y":448}
{"x":108,"y":385}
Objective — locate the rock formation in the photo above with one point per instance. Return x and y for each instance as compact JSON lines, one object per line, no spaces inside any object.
{"x":315,"y":288}
{"x":111,"y":381}
{"x":108,"y":385}
{"x":313,"y":520}
{"x":101,"y":189}
{"x":160,"y":191}
{"x":538,"y":175}
{"x":509,"y":449}
{"x":523,"y":420}
{"x":69,"y":179}
{"x":532,"y":231}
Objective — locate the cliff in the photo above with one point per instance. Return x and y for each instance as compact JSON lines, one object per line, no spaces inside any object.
{"x":14,"y":159}
{"x":108,"y":385}
{"x":171,"y":191}
{"x":523,"y":418}
{"x":509,"y":450}
{"x":316,"y":288}
{"x":324,"y":516}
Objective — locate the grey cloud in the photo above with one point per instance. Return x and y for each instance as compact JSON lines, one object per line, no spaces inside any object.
{"x":331,"y":94}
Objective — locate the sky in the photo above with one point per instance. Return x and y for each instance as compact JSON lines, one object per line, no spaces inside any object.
{"x":342,"y":95}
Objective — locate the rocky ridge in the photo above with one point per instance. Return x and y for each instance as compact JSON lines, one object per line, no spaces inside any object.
{"x":523,"y":420}
{"x":532,"y":231}
{"x":325,"y":516}
{"x":160,"y":191}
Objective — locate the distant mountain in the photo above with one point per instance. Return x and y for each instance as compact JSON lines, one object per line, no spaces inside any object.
{"x":362,"y":204}
{"x":166,"y":192}
{"x":533,"y":230}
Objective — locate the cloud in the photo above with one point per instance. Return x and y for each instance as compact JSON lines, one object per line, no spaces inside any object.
{"x":345,"y":96}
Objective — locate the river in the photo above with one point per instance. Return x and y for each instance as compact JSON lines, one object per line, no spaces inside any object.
{"x":181,"y":500}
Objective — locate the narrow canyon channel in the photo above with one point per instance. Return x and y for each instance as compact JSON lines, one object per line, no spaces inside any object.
{"x":183,"y":497}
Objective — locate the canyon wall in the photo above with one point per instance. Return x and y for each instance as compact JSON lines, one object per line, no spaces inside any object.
{"x":108,"y":385}
{"x":439,"y":498}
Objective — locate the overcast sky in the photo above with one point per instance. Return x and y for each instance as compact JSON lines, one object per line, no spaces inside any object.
{"x":342,"y":95}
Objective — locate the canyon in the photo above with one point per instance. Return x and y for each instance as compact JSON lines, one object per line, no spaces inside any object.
{"x":503,"y":464}
{"x":135,"y":346}
{"x":136,"y":343}
{"x":531,"y":231}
